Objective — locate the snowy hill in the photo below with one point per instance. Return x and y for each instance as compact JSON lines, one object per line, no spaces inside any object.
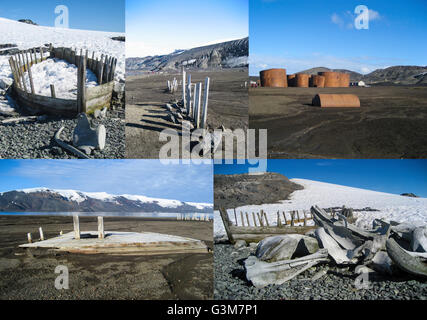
{"x":230,"y":54}
{"x":26,"y":36}
{"x":390,"y":206}
{"x":54,"y":200}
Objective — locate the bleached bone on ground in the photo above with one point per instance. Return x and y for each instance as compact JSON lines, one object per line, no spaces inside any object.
{"x":87,"y":138}
{"x":382,"y":263}
{"x":21,"y":119}
{"x":284,"y":247}
{"x":68,"y":147}
{"x":100,"y":114}
{"x":419,"y":239}
{"x":262,"y":273}
{"x":334,"y":250}
{"x":406,"y":261}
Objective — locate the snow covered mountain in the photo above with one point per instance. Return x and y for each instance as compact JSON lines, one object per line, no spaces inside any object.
{"x":230,"y":54}
{"x":53,"y":200}
{"x":388,"y":206}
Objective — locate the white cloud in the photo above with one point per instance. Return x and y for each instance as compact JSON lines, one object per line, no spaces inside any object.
{"x":336,"y":19}
{"x":374,"y":15}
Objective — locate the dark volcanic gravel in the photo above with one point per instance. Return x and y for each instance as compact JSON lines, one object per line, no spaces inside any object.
{"x":35,"y":140}
{"x":337,"y":284}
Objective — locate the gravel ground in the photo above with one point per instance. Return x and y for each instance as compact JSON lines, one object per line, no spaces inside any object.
{"x":35,"y":140}
{"x":337,"y":284}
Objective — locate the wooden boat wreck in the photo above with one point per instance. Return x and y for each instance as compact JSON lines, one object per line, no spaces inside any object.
{"x":88,"y":98}
{"x":261,"y":227}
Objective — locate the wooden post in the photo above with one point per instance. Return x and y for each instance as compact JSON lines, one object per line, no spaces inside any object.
{"x":12,"y":67}
{"x":52,"y":91}
{"x":184,"y":88}
{"x":100,"y":227}
{"x":253,"y":217}
{"x":292,"y":218}
{"x":305,"y":218}
{"x":279,"y":222}
{"x":41,"y":234}
{"x":101,"y":70}
{"x":235,"y":217}
{"x":247,"y":219}
{"x":266,"y":220}
{"x":261,"y":223}
{"x":241,"y":217}
{"x":41,"y":54}
{"x":197,"y":107}
{"x":188,"y":106}
{"x":30,"y":240}
{"x":284,"y":218}
{"x":76,"y":227}
{"x":226,"y":221}
{"x":81,"y":86}
{"x":205,"y":103}
{"x":30,"y":76}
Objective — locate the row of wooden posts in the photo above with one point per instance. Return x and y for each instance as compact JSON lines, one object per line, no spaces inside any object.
{"x":172,"y":85}
{"x":104,"y":68}
{"x":21,"y":62}
{"x":192,"y":97}
{"x":194,"y":217}
{"x":260,"y":218}
{"x":76,"y":225}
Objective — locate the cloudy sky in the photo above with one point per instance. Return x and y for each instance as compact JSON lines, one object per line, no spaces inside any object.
{"x":156,"y":27}
{"x":299,"y":35}
{"x":183,"y":182}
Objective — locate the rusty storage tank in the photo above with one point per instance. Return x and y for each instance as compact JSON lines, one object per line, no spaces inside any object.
{"x":291,"y":80}
{"x":301,"y":80}
{"x":336,"y":101}
{"x":332,"y":79}
{"x":273,"y":78}
{"x":317,"y":81}
{"x":344,"y":80}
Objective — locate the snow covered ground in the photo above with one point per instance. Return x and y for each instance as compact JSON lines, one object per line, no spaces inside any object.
{"x":27,"y":36}
{"x":60,"y":73}
{"x":391,"y":207}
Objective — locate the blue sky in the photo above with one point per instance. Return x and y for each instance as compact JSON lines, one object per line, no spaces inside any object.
{"x":392,"y":176}
{"x":141,"y":177}
{"x":156,"y":27}
{"x":83,"y":14}
{"x":302,"y":34}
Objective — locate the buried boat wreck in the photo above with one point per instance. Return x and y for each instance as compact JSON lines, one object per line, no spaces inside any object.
{"x":88,"y":99}
{"x":387,"y":250}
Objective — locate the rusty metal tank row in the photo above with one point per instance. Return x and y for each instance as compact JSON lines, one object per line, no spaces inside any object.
{"x":275,"y":78}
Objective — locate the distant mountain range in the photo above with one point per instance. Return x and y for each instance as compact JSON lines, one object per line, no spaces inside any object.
{"x":230,"y":54}
{"x":397,"y":75}
{"x":50,"y":200}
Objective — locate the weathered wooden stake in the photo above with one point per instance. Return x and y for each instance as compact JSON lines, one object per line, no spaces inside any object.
{"x":100,"y":227}
{"x":76,"y":227}
{"x":184,"y":88}
{"x":30,"y":239}
{"x":41,"y":234}
{"x":305,"y":218}
{"x":253,"y":217}
{"x":261,"y":223}
{"x":279,"y":222}
{"x":266,"y":220}
{"x":235,"y":217}
{"x":284,"y":218}
{"x":247,"y":219}
{"x":52,"y":91}
{"x":197,"y":107}
{"x":241,"y":218}
{"x":30,"y":75}
{"x":188,"y":107}
{"x":41,"y":53}
{"x":205,"y":103}
{"x":292,"y":218}
{"x":81,"y":86}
